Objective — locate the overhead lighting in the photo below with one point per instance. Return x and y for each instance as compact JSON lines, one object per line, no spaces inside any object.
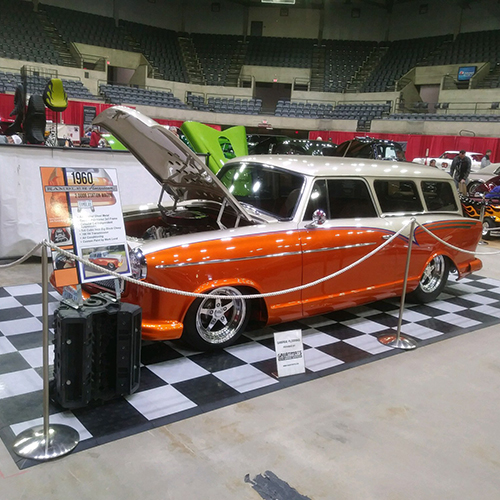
{"x":282,"y":2}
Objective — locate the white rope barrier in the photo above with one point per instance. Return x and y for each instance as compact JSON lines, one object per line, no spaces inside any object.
{"x":496,"y":252}
{"x":247,"y":297}
{"x":22,"y":259}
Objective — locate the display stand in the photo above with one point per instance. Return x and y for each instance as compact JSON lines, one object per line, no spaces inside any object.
{"x":45,"y":442}
{"x":399,"y":341}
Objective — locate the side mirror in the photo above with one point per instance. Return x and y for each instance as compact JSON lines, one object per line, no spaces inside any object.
{"x":318,"y":218}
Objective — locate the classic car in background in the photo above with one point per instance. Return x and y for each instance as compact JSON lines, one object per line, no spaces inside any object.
{"x":472,"y":206}
{"x":282,"y":144}
{"x":448,"y":156}
{"x":267,"y":223}
{"x":369,"y":148}
{"x":486,"y":174}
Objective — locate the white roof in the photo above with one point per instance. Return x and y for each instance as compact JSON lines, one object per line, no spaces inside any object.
{"x":320,"y":166}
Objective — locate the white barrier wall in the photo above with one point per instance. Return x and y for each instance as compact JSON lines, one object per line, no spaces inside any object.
{"x":22,"y":212}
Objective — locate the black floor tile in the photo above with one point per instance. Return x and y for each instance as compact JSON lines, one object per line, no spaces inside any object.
{"x":345,"y":352}
{"x":109,"y":418}
{"x":205,"y":390}
{"x":12,"y":362}
{"x":216,"y":361}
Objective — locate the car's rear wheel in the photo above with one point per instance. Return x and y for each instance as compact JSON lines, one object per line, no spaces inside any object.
{"x":472,"y":188}
{"x":432,"y":282}
{"x":213,"y":323}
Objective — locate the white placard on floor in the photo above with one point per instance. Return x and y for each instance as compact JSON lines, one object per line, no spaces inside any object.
{"x":289,"y":352}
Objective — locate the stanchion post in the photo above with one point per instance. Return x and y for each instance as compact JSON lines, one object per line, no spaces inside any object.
{"x":44,"y":442}
{"x":399,"y":341}
{"x":481,"y":218}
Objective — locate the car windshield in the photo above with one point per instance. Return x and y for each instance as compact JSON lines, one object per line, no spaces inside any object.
{"x":448,"y":156}
{"x":477,"y":157}
{"x":270,"y":190}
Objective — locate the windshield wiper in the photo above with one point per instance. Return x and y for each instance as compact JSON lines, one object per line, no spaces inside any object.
{"x":257,"y":211}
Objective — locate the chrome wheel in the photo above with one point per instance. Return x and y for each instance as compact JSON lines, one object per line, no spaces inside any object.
{"x":219,"y":320}
{"x":487,"y":224}
{"x":433,"y":275}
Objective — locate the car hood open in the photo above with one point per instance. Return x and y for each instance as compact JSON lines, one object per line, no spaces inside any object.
{"x":181,"y":173}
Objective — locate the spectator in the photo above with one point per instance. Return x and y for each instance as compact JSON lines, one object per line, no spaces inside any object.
{"x":432,"y":163}
{"x":460,"y":170}
{"x":95,"y":137}
{"x":486,"y":159}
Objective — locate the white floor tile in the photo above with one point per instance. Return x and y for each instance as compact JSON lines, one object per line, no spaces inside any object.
{"x":20,"y":382}
{"x":316,"y":360}
{"x":36,"y":309}
{"x":18,"y":326}
{"x":364,"y":325}
{"x":177,"y":370}
{"x":368,"y":343}
{"x":6,"y":346}
{"x":419,"y":331}
{"x":35,"y":356}
{"x":160,"y":402}
{"x":491,"y":311}
{"x":456,"y":320}
{"x":245,"y":378}
{"x":314,"y":338}
{"x":66,"y":418}
{"x":409,"y":315}
{"x":19,"y":290}
{"x":442,"y":305}
{"x":251,"y":353}
{"x":8,"y":302}
{"x":480,"y":299}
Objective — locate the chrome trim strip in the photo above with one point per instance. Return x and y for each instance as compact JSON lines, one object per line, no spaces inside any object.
{"x":256,"y":257}
{"x":329,"y":249}
{"x":219,"y":261}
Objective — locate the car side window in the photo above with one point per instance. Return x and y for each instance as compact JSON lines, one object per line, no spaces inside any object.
{"x":341,"y":198}
{"x":349,"y":198}
{"x":397,"y":196}
{"x":318,"y":200}
{"x":438,"y":196}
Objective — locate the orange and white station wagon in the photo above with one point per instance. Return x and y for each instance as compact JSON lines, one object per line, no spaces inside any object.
{"x":269,"y":223}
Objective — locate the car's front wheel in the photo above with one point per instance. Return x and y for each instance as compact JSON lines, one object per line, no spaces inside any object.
{"x":213,"y":323}
{"x":111,"y":266}
{"x":432,"y":282}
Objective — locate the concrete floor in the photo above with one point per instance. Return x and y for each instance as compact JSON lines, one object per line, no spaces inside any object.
{"x":423,"y":425}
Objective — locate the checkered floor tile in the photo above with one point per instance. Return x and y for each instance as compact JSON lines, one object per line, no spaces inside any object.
{"x":177,"y":383}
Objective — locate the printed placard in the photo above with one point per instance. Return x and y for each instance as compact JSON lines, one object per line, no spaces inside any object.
{"x":84,"y":216}
{"x":289,"y":353}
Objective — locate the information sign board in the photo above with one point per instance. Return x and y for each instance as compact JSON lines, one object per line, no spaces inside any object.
{"x":289,"y":352}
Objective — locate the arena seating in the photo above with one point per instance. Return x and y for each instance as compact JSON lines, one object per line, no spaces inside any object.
{"x":235,"y":106}
{"x":215,"y":53}
{"x":342,"y":59}
{"x":280,"y":52}
{"x":400,"y":58}
{"x":452,"y":117}
{"x":36,"y":85}
{"x":161,"y":48}
{"x":119,"y":94}
{"x":89,"y":29}
{"x":23,"y":36}
{"x":478,"y":46}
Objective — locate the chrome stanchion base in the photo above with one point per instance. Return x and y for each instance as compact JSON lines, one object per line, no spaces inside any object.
{"x":392,"y":340}
{"x":31,"y":443}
